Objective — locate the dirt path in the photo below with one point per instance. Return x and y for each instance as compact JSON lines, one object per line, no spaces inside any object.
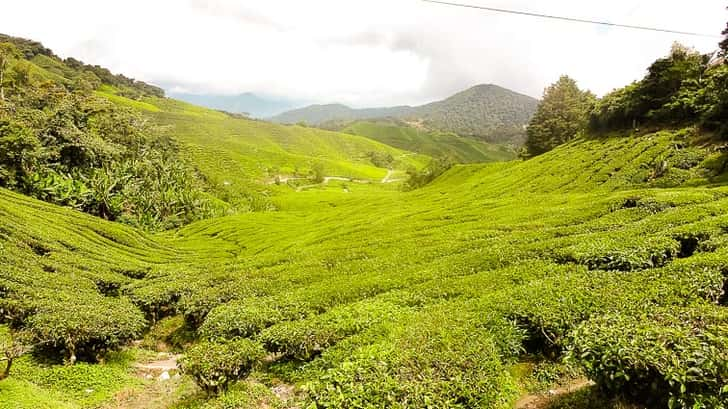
{"x":327,"y":179}
{"x":388,"y":178}
{"x":283,"y":179}
{"x":161,"y":365}
{"x":542,"y":400}
{"x":160,"y":386}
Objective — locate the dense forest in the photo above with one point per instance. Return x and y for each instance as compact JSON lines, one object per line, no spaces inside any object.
{"x":685,"y":87}
{"x":62,"y":143}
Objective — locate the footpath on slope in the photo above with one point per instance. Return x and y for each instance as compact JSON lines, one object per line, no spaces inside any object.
{"x":160,"y":390}
{"x":542,"y":400}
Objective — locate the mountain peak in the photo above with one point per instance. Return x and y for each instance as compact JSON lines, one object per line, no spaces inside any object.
{"x":485,"y":111}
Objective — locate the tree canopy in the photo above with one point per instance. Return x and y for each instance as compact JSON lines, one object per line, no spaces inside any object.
{"x":61,"y":143}
{"x":680,"y":88}
{"x":560,"y":115}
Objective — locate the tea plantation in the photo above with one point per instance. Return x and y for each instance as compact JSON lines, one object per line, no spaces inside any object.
{"x":596,"y":271}
{"x":380,"y":298}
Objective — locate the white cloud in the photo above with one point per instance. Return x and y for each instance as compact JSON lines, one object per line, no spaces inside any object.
{"x":361,"y":52}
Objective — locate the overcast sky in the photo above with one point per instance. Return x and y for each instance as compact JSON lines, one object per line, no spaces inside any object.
{"x":361,"y":52}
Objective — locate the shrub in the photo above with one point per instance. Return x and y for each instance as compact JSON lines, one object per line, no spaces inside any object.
{"x":84,"y":327}
{"x":439,"y":360}
{"x":306,"y":338}
{"x":381,"y":159}
{"x":419,"y":178}
{"x":239,"y":319}
{"x":213,"y":365}
{"x":19,"y":153}
{"x":672,"y":357}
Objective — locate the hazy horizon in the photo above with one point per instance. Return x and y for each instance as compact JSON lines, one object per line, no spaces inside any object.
{"x":361,"y":54}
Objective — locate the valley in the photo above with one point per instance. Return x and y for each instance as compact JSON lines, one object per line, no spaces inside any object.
{"x":158,"y":254}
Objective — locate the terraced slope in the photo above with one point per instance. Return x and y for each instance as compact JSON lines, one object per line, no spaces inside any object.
{"x":237,"y":154}
{"x":226,"y":164}
{"x":438,"y":296}
{"x":434,"y":144}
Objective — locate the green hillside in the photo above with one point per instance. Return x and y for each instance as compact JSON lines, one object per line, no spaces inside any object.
{"x":232,"y":151}
{"x":133,"y":273}
{"x":116,"y":148}
{"x":351,"y":304}
{"x":432,"y":143}
{"x":485,"y":111}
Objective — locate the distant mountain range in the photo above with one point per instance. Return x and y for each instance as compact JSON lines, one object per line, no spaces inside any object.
{"x":487,"y":112}
{"x":247,"y":103}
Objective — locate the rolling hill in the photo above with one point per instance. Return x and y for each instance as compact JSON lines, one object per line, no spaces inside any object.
{"x":597,"y":268}
{"x":509,"y":255}
{"x":431,"y":143}
{"x":240,"y":157}
{"x":248,"y":103}
{"x":224,"y":162}
{"x":487,"y":112}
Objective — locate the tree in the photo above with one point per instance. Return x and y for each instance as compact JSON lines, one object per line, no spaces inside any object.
{"x":560,"y":115}
{"x":8,"y":52}
{"x":672,"y":92}
{"x":20,"y":152}
{"x":10,"y":349}
{"x":724,"y":44}
{"x":318,"y":172}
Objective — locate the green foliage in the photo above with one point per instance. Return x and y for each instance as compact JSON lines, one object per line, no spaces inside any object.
{"x":381,"y":160}
{"x":70,"y":147}
{"x":680,"y":88}
{"x":422,"y":364}
{"x":81,"y":385}
{"x":419,"y":178}
{"x":10,"y":350}
{"x":560,"y":116}
{"x":242,"y":395}
{"x":92,"y":74}
{"x":20,"y":153}
{"x":214,"y":365}
{"x":672,"y":358}
{"x":714,"y":100}
{"x":436,"y":144}
{"x":87,"y":329}
{"x":8,"y":53}
{"x":317,"y":172}
{"x":28,"y":48}
{"x":304,"y":339}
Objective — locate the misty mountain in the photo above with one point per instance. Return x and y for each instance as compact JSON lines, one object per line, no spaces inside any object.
{"x":486,"y":111}
{"x":249,"y":103}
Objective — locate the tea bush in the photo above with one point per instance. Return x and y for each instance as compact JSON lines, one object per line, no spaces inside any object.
{"x":666,"y":357}
{"x":214,"y":365}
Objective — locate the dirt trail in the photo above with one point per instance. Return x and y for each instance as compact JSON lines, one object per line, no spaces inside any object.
{"x":542,"y":400}
{"x":161,"y":365}
{"x":327,"y":179}
{"x":388,"y":178}
{"x":159,"y":390}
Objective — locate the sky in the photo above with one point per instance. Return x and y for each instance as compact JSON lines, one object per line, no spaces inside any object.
{"x":362,"y":52}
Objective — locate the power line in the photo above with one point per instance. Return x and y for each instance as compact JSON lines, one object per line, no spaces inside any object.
{"x":571,"y":19}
